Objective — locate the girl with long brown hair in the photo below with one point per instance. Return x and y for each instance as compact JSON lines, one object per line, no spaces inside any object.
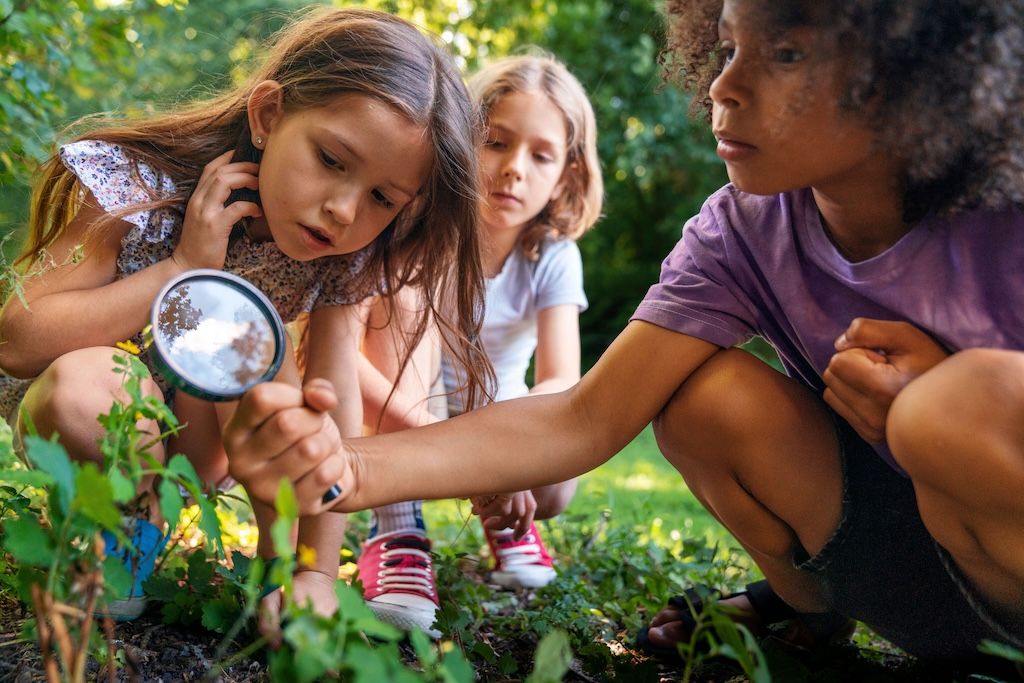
{"x":362,"y":152}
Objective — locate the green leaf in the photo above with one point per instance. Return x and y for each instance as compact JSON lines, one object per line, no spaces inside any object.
{"x":372,"y":665}
{"x":29,"y":544}
{"x":26,"y":477}
{"x":162,"y":588}
{"x":180,"y":466}
{"x":306,"y":636}
{"x":171,"y":502}
{"x":220,"y":614}
{"x":374,"y":628}
{"x":425,"y":652}
{"x":553,"y":658}
{"x":6,"y":434}
{"x":117,"y":577}
{"x":1008,"y":652}
{"x":50,"y":457}
{"x":286,"y":505}
{"x":122,"y":486}
{"x":456,"y":666}
{"x":200,"y":571}
{"x":210,"y":525}
{"x":95,"y":497}
{"x":351,"y":605}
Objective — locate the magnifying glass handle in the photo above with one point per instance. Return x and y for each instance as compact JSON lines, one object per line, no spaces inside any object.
{"x":332,"y":493}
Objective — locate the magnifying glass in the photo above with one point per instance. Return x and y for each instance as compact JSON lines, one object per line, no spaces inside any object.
{"x":215,"y":336}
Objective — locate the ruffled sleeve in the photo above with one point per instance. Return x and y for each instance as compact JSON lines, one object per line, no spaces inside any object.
{"x":106,"y":170}
{"x":338,"y":281}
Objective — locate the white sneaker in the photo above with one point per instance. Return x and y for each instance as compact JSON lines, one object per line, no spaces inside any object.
{"x":519,"y":564}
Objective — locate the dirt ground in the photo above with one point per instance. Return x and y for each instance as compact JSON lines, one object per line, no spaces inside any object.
{"x":153,"y":652}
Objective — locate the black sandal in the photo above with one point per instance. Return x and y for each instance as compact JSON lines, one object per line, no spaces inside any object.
{"x":824,"y":628}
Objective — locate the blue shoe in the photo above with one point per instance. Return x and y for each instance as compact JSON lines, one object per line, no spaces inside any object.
{"x":148,"y":542}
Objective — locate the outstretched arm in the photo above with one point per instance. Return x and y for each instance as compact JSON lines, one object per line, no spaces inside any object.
{"x":533,"y":441}
{"x":508,"y":446}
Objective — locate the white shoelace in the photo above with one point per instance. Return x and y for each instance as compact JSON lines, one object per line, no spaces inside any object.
{"x":412,"y":575}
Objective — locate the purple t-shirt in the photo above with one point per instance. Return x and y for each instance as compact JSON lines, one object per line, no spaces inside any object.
{"x":755,"y":265}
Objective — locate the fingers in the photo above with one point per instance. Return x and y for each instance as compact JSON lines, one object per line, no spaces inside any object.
{"x":316,"y":590}
{"x":208,"y":220}
{"x":259,"y":404}
{"x":275,"y":435}
{"x":525,"y":512}
{"x":665,"y":616}
{"x":310,"y":489}
{"x":512,"y":511}
{"x":319,"y":394}
{"x":668,"y":634}
{"x":870,"y":426}
{"x":887,"y":335}
{"x":860,"y":388}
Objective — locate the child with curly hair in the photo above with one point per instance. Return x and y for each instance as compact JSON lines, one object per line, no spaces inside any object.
{"x":873,"y":233}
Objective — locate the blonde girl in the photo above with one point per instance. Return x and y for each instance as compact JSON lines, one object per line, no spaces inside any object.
{"x":364,"y":157}
{"x":542,"y":190}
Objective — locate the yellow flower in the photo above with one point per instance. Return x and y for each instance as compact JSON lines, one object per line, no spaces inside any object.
{"x":306,"y":556}
{"x":129,"y":346}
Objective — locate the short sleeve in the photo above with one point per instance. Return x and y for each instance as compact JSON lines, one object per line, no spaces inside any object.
{"x":559,"y":276}
{"x":697,"y":293}
{"x":106,"y":170}
{"x":342,"y":282}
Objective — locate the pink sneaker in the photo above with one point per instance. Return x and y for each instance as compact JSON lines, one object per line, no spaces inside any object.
{"x":398,"y":580}
{"x":519,"y":564}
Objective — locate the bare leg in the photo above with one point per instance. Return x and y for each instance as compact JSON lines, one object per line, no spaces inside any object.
{"x":72,"y":392}
{"x":760,"y":452}
{"x":553,"y":499}
{"x":389,"y":332}
{"x":958,"y":431}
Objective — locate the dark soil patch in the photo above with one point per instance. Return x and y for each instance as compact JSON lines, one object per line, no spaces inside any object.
{"x":152,"y":652}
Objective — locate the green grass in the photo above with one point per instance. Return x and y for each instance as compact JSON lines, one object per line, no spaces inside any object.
{"x":637,"y":489}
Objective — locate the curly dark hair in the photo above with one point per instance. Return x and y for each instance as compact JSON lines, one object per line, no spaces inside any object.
{"x":945,"y":80}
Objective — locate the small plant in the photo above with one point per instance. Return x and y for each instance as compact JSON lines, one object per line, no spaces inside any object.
{"x":352,"y":644}
{"x":54,"y":511}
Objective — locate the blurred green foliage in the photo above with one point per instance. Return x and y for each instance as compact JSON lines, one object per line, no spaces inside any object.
{"x":61,"y":59}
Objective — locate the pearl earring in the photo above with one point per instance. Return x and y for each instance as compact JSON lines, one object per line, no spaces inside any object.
{"x":259,"y":140}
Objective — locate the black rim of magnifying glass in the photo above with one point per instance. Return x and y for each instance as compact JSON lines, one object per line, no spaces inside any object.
{"x":173,"y":373}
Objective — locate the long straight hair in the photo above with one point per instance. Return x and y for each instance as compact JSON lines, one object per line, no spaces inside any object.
{"x":433,"y":244}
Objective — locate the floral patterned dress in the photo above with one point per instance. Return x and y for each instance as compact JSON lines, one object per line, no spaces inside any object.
{"x":294,"y":287}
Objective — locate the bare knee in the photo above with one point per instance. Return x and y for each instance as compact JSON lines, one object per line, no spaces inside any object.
{"x":708,"y":400}
{"x":732,"y":401}
{"x":552,"y":500}
{"x":957,"y":432}
{"x":966,"y":409}
{"x":72,"y":393}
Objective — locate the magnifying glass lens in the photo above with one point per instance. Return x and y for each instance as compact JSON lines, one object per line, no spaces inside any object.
{"x":215,"y":335}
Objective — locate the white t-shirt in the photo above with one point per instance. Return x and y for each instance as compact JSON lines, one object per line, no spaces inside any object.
{"x":514,"y":298}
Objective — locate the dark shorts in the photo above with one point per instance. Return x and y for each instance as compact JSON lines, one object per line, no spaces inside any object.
{"x":882,"y":567}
